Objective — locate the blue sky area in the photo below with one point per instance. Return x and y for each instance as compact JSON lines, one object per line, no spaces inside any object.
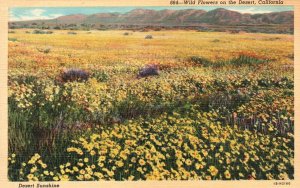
{"x":33,"y":13}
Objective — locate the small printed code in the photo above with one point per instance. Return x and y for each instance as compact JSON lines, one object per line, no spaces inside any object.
{"x":282,"y":183}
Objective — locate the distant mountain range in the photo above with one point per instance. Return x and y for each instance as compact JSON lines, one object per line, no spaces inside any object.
{"x":175,"y":17}
{"x":186,"y":17}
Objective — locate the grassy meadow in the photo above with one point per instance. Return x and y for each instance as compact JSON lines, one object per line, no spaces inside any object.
{"x":220,"y":107}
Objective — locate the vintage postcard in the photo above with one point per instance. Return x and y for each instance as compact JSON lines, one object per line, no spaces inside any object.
{"x":178,"y":93}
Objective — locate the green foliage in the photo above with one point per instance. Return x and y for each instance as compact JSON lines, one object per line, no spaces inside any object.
{"x":100,"y":75}
{"x":36,"y":31}
{"x":72,"y":33}
{"x":248,"y":60}
{"x":13,"y":39}
{"x":242,"y":60}
{"x":146,"y":148}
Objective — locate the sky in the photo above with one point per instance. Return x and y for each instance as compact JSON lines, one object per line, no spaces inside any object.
{"x":37,"y":13}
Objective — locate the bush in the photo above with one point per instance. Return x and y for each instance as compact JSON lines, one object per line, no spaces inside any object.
{"x":149,"y":70}
{"x":44,"y":50}
{"x":10,"y":31}
{"x":148,"y":37}
{"x":38,"y":32}
{"x":144,"y":30}
{"x":216,"y":40}
{"x":71,"y":75}
{"x":72,"y":33}
{"x":273,"y":39}
{"x":41,"y":32}
{"x":13,"y":39}
{"x":234,"y":31}
{"x":126,"y":33}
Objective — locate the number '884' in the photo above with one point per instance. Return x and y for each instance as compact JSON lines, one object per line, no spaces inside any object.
{"x":174,"y":2}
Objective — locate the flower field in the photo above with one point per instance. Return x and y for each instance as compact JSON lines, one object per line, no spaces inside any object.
{"x":220,"y":106}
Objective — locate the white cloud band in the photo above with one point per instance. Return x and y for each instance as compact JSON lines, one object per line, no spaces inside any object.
{"x":35,"y":14}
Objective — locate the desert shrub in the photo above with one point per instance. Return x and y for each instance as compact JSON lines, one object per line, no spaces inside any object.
{"x":44,"y":50}
{"x":27,"y":32}
{"x":126,"y":33}
{"x":200,"y":61}
{"x":202,"y":28}
{"x":149,"y":70}
{"x":215,"y":40}
{"x":37,"y":31}
{"x":219,"y":30}
{"x":72,"y":33}
{"x":144,"y":30}
{"x":11,"y":31}
{"x":273,"y":39}
{"x":148,"y":37}
{"x":102,"y":29}
{"x":71,"y":75}
{"x":291,"y":56}
{"x":13,"y":39}
{"x":234,"y":31}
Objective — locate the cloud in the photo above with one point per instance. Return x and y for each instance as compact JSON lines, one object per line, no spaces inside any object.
{"x":35,"y":14}
{"x":251,"y":10}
